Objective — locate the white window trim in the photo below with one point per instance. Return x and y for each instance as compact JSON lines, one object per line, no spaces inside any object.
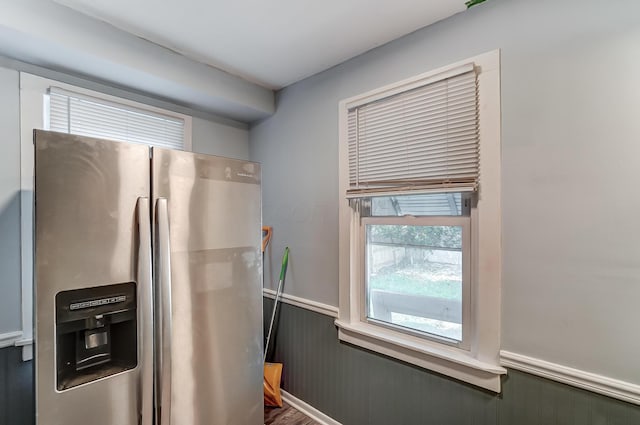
{"x":32,"y":116}
{"x":479,"y":365}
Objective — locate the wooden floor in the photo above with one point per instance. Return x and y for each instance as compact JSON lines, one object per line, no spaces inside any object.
{"x":286,"y":415}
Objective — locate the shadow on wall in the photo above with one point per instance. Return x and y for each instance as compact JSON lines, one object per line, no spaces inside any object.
{"x":10,"y":283}
{"x":16,"y":377}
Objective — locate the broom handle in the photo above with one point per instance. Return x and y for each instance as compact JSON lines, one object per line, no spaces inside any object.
{"x":283,"y":272}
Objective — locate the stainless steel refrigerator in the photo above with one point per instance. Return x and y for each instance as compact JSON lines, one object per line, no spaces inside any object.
{"x":147,"y":284}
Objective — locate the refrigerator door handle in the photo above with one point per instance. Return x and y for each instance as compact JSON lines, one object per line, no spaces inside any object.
{"x":163,"y":273}
{"x":145,"y":306}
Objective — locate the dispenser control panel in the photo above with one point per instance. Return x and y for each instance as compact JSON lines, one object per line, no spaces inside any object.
{"x":97,"y":303}
{"x":96,"y":333}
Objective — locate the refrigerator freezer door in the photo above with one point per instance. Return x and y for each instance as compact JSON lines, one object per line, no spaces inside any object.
{"x":214,"y":212}
{"x":92,"y":284}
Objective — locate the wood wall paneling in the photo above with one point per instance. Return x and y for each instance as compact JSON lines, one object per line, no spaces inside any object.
{"x":16,"y":388}
{"x":358,"y":387}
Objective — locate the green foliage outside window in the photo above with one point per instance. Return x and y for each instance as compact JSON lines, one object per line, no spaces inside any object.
{"x":423,"y":236}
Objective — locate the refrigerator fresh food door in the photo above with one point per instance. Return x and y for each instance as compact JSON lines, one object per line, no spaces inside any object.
{"x":210,"y":331}
{"x":94,"y":340}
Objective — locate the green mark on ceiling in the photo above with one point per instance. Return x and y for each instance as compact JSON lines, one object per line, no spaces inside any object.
{"x":472,"y":3}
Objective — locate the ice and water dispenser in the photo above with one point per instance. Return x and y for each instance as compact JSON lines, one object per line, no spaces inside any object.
{"x":96,"y":333}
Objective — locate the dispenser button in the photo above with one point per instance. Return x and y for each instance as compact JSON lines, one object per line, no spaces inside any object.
{"x":96,"y":339}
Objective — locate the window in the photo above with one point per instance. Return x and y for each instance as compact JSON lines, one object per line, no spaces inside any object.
{"x":420,"y":221}
{"x":417,"y":264}
{"x":72,"y":112}
{"x":53,"y":105}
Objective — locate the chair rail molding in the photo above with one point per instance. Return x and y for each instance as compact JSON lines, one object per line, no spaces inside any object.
{"x":9,"y":339}
{"x":610,"y":387}
{"x":326,"y":309}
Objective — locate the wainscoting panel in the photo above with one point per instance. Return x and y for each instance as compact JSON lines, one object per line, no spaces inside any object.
{"x":357,"y":387}
{"x":529,"y":400}
{"x":16,"y":388}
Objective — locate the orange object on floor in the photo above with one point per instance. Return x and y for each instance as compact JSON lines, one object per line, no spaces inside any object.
{"x":272,"y":374}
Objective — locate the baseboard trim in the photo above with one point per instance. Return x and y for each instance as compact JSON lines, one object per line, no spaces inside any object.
{"x":578,"y":378}
{"x":321,"y":308}
{"x":308,"y":410}
{"x":9,"y":339}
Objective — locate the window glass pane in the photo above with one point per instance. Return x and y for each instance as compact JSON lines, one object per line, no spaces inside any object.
{"x":443,"y":204}
{"x":414,"y":277}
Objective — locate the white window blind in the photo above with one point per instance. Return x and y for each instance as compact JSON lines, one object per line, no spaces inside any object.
{"x":423,"y":138}
{"x":88,"y":116}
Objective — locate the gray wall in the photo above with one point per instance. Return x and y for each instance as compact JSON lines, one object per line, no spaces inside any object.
{"x":10,"y":311}
{"x":570,"y":155}
{"x":358,"y":387}
{"x":214,"y":138}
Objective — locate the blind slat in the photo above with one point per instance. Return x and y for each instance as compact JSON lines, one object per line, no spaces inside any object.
{"x":437,"y":132}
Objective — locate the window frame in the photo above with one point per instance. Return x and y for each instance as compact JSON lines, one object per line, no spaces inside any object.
{"x":33,"y":104}
{"x":479,"y":364}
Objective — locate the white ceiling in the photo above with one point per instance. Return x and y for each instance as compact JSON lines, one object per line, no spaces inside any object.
{"x":273,"y":43}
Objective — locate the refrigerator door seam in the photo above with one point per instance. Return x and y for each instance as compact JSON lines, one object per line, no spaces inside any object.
{"x":145,"y":300}
{"x":163,"y":276}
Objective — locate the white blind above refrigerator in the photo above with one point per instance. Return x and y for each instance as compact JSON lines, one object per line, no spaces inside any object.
{"x":88,"y":116}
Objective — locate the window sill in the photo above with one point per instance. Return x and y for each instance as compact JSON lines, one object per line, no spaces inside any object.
{"x":448,"y":361}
